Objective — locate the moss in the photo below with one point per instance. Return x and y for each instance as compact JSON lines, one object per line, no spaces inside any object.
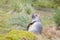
{"x":3,"y":37}
{"x":20,"y":35}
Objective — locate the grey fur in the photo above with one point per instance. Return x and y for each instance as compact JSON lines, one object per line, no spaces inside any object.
{"x":36,"y":27}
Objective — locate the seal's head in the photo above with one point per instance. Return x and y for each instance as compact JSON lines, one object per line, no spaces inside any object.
{"x":35,"y":17}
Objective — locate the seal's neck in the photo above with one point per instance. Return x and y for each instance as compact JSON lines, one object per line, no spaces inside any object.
{"x":36,"y":20}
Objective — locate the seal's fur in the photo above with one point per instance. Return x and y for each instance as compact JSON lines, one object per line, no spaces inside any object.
{"x":36,"y":25}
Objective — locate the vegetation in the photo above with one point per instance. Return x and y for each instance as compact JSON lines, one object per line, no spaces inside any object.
{"x":14,"y":21}
{"x":57,"y":3}
{"x":43,"y":4}
{"x":18,"y":35}
{"x":57,"y":18}
{"x":15,"y":15}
